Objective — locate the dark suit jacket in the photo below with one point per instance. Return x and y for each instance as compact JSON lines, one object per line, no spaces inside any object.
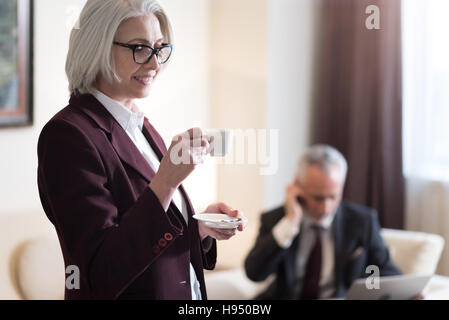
{"x":93,"y":185}
{"x":357,"y":242}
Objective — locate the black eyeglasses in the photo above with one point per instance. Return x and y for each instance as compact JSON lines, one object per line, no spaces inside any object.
{"x":143,"y":54}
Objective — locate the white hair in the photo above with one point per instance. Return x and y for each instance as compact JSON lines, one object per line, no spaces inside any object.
{"x":323,"y":156}
{"x":91,"y":40}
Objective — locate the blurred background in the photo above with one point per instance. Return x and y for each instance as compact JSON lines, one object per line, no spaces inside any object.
{"x":310,"y":70}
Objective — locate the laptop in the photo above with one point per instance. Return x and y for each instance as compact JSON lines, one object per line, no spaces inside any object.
{"x":402,"y":287}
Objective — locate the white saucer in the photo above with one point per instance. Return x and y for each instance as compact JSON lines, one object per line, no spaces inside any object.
{"x":219,"y":220}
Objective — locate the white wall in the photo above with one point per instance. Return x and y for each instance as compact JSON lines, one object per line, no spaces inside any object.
{"x":238,"y":78}
{"x":289,"y":84}
{"x":179,"y":100}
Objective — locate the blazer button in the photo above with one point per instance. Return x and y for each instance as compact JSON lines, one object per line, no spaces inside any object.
{"x":168,"y":236}
{"x":162,"y":243}
{"x":156,"y":249}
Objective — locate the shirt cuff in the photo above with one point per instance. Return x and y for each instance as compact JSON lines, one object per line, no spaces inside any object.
{"x":284,"y":232}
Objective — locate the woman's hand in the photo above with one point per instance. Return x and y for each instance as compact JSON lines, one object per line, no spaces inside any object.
{"x":220,"y":234}
{"x":186,"y":151}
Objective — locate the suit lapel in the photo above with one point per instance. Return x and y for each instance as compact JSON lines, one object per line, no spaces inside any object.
{"x":160,"y":149}
{"x":290,"y":265}
{"x":338,"y":247}
{"x":122,"y":144}
{"x":128,"y":152}
{"x":151,"y":135}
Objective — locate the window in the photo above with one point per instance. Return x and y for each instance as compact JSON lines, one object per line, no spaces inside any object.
{"x":425,"y":26}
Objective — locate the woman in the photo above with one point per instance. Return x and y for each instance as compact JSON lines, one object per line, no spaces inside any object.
{"x":106,"y":180}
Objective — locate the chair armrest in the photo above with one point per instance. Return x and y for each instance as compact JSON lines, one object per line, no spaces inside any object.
{"x":232,"y":284}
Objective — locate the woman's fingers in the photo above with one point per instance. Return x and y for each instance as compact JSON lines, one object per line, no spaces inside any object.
{"x":199,"y":150}
{"x":222,"y":234}
{"x":196,"y":137}
{"x":194,"y":133}
{"x":189,"y":152}
{"x":226,"y":209}
{"x":221,"y":207}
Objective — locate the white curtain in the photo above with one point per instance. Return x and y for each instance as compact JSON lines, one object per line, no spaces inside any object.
{"x":425,"y":26}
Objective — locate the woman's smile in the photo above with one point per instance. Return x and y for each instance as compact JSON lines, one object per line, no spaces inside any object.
{"x":144,"y":80}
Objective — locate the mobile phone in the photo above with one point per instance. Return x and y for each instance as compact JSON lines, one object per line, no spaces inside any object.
{"x":300,"y":200}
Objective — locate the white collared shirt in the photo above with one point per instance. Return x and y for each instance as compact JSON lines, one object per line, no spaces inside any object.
{"x":284,"y":233}
{"x":132,"y":122}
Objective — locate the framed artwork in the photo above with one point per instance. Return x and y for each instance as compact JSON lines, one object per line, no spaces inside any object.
{"x":16,"y":63}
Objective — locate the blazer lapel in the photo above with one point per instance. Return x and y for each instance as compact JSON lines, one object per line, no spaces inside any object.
{"x":290,"y":266}
{"x":338,"y":247}
{"x":129,"y":153}
{"x":154,"y":139}
{"x":160,"y":149}
{"x":119,"y":139}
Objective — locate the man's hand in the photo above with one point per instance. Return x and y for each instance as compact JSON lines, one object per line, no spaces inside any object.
{"x":293,"y":209}
{"x":220,"y":234}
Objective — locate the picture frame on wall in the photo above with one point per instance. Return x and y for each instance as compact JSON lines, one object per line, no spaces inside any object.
{"x":16,"y":63}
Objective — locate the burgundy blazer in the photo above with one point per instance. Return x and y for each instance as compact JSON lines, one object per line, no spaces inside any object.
{"x":93,"y":185}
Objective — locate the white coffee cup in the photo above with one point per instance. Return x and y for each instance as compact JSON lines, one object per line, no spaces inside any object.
{"x":220,"y":141}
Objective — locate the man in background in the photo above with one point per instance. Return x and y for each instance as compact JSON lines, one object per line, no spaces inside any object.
{"x":317,"y":244}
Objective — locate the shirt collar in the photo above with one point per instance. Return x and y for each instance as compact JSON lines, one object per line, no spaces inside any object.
{"x":325,"y":224}
{"x":128,"y":119}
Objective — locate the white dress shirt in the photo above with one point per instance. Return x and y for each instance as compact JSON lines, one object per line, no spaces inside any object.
{"x":284,"y":233}
{"x":132,"y":122}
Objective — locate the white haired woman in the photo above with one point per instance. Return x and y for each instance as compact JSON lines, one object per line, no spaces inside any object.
{"x":106,"y":180}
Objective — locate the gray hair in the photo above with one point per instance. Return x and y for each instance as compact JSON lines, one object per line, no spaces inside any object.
{"x":90,"y":48}
{"x":324,"y":157}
